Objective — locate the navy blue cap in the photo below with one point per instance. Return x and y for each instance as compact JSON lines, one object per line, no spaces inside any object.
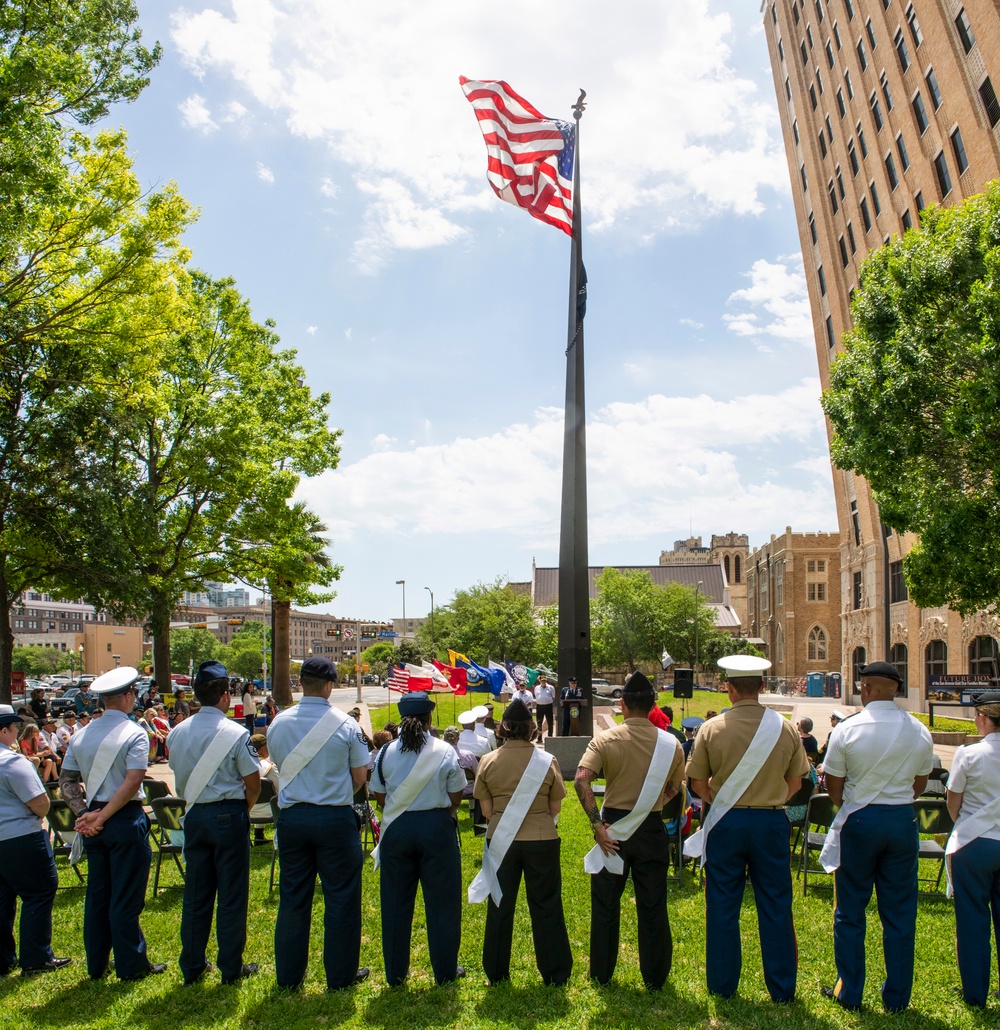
{"x":881,"y":670}
{"x":416,"y":703}
{"x":208,"y":671}
{"x":319,"y":668}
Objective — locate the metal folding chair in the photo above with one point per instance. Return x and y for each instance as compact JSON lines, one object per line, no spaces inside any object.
{"x":61,"y":822}
{"x":820,"y":812}
{"x":933,"y":820}
{"x":169,"y":812}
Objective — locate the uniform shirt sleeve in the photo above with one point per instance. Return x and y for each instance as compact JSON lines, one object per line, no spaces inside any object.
{"x":698,"y":767}
{"x":925,"y":769}
{"x":958,"y":776}
{"x":592,"y":759}
{"x":835,"y":763}
{"x":558,"y":789}
{"x":481,"y":790}
{"x":359,"y":753}
{"x":676,"y":773}
{"x":137,"y":755}
{"x":24,"y":780}
{"x":69,"y":762}
{"x":246,"y":763}
{"x":456,"y":774}
{"x":798,"y":764}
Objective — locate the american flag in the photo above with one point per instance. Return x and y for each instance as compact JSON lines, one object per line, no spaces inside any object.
{"x":399,"y":678}
{"x":530,"y":157}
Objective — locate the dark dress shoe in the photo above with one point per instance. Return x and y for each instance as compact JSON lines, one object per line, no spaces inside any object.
{"x":200,"y":975}
{"x":154,"y":969}
{"x":828,"y":992}
{"x":46,"y":967}
{"x":249,"y":969}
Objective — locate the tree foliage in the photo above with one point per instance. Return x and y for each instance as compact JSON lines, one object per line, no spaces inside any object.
{"x":378,"y":656}
{"x":914,"y":398}
{"x":244,"y":655}
{"x":489,"y":621}
{"x":36,"y":660}
{"x":190,"y":647}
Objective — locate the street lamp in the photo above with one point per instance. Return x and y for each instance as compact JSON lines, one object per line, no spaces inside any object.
{"x":402,"y":583}
{"x":80,"y":649}
{"x":433,"y":642}
{"x":696,"y":621}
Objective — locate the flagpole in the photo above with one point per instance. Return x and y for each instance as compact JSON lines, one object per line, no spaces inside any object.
{"x":574,"y":586}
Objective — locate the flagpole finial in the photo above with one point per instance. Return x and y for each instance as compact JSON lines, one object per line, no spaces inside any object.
{"x":579,"y":107}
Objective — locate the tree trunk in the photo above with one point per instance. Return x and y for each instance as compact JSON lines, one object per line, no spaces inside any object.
{"x":159,"y":626}
{"x":281,"y":654}
{"x":6,"y":645}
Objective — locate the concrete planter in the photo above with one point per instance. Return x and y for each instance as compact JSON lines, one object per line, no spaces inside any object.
{"x":954,"y":739}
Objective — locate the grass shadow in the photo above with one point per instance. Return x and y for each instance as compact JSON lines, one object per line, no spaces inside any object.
{"x":307,"y":1008}
{"x":94,"y":997}
{"x":204,"y":1004}
{"x":523,"y":1006}
{"x":647,"y":1010}
{"x":410,"y":1006}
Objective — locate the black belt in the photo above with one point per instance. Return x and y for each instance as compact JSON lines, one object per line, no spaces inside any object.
{"x":96,"y":806}
{"x":760,"y":808}
{"x":224,"y":801}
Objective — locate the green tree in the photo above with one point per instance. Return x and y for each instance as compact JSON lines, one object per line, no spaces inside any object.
{"x":408,"y":650}
{"x":433,"y":634}
{"x":491,"y":621}
{"x":190,"y":647}
{"x":378,"y":656}
{"x":244,"y":656}
{"x":35,"y":660}
{"x":186,"y":452}
{"x":547,"y":641}
{"x":914,"y":398}
{"x":717,"y":645}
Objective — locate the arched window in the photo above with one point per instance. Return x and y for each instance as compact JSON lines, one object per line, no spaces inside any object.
{"x":725,"y":565}
{"x":779,"y":645}
{"x":935,"y":660}
{"x":858,"y":662}
{"x":817,"y":644}
{"x":898,"y":658}
{"x":983,"y":657}
{"x":736,"y":569}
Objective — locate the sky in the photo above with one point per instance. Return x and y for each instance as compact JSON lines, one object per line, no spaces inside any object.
{"x":341,"y":179}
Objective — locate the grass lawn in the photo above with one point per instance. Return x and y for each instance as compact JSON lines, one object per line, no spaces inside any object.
{"x":68,"y":999}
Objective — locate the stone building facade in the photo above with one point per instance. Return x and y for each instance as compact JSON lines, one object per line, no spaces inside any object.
{"x":730,"y":550}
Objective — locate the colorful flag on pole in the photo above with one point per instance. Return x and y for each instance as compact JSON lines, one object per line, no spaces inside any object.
{"x":529,"y":156}
{"x":508,"y":680}
{"x":456,"y":677}
{"x":477,"y":677}
{"x":399,"y":679}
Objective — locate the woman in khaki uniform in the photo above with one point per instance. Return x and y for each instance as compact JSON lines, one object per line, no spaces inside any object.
{"x":534,"y":853}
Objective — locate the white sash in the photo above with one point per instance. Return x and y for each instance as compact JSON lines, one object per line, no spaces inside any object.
{"x":969,"y":830}
{"x":870,"y":786}
{"x":211,"y":760}
{"x":431,"y":756}
{"x":107,"y":752}
{"x":760,"y":749}
{"x":652,"y":788}
{"x":486,"y":884}
{"x":310,"y":745}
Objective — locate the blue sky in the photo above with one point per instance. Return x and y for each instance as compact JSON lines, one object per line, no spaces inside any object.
{"x":341,"y":179}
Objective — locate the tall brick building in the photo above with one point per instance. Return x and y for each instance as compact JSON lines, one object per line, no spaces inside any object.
{"x":886,"y":106}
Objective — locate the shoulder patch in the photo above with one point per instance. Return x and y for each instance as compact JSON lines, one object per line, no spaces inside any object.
{"x":251,"y":748}
{"x":361,"y":736}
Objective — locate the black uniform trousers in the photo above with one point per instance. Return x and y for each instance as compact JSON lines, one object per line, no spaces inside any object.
{"x":538,"y":862}
{"x":217,"y":856}
{"x":646,"y":857}
{"x":543,"y":715}
{"x":118,"y":861}
{"x":975,"y":875}
{"x":28,"y":872}
{"x":318,"y":839}
{"x":421,"y":848}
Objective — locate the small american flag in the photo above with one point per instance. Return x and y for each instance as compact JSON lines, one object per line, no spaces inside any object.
{"x":530,"y":157}
{"x":399,"y":678}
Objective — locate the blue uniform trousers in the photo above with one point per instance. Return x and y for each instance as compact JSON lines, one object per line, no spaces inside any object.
{"x":421,"y":848}
{"x":217,"y":856}
{"x":538,"y":862}
{"x":118,"y":860}
{"x":878,"y":847}
{"x":646,"y":857}
{"x":750,"y":842}
{"x":28,"y":872}
{"x":323,"y":840}
{"x":975,"y":875}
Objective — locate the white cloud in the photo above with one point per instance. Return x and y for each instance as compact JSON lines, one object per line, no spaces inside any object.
{"x":642,"y":457}
{"x":776,"y":304}
{"x":692,"y":323}
{"x":264,"y":173}
{"x":348,"y":332}
{"x":234,"y":111}
{"x":673,"y":133}
{"x":196,"y":115}
{"x":312,"y":330}
{"x":328,"y":187}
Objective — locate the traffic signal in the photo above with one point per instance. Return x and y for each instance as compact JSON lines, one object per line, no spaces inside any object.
{"x":235,"y":622}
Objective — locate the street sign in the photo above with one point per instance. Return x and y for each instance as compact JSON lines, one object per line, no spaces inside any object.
{"x":349,"y":633}
{"x":386,"y":634}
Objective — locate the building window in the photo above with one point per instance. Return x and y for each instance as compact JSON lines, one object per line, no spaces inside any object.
{"x":850,"y":238}
{"x":816,"y":644}
{"x":809,"y":36}
{"x":822,"y":144}
{"x":725,"y":565}
{"x":858,"y":662}
{"x":812,"y":228}
{"x":944,"y":179}
{"x":816,"y":591}
{"x":876,"y":203}
{"x":795,"y":13}
{"x":764,"y":591}
{"x":849,"y":7}
{"x":870,"y":29}
{"x":876,"y":112}
{"x":861,"y":141}
{"x":840,"y":184}
{"x":904,"y":157}
{"x":836,"y":36}
{"x":932,"y":87}
{"x":897,"y":583}
{"x":829,"y":54}
{"x":819,"y":10}
{"x":841,"y":106}
{"x":736,"y":569}
{"x":847,"y":83}
{"x":989,"y":98}
{"x":819,"y":81}
{"x":961,"y":159}
{"x":983,"y":657}
{"x":856,"y":593}
{"x":906,"y":220}
{"x":856,"y":523}
{"x":779,"y":585}
{"x":920,"y":113}
{"x":866,"y":218}
{"x":812,"y":97}
{"x":965,"y":33}
{"x":833,"y":197}
{"x":795,"y":128}
{"x":829,"y":129}
{"x":935,"y":660}
{"x":898,"y":658}
{"x":852,"y":156}
{"x":831,"y":339}
{"x":862,"y":54}
{"x":779,"y":645}
{"x":918,"y":199}
{"x":788,"y":93}
{"x":886,"y":92}
{"x":805,"y":181}
{"x":843,"y":252}
{"x":822,"y":280}
{"x":911,"y":20}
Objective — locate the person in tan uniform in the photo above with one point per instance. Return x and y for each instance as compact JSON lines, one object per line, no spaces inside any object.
{"x":533,"y":854}
{"x":751,"y":838}
{"x":625,"y":755}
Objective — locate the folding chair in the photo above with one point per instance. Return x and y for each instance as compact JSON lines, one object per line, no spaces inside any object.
{"x":261,"y":814}
{"x":61,"y":822}
{"x":933,"y":819}
{"x":153,"y":789}
{"x":937,"y":783}
{"x":364,"y":811}
{"x":274,"y":840}
{"x":820,"y":812}
{"x":675,"y":811}
{"x":169,"y":812}
{"x":797,"y":800}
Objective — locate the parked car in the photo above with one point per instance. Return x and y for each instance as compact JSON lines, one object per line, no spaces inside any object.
{"x":58,"y":706}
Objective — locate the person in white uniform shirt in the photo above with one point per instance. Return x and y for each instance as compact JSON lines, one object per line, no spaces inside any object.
{"x":974,"y":804}
{"x":545,"y":699}
{"x":525,"y":695}
{"x":879,"y":760}
{"x":470,"y":740}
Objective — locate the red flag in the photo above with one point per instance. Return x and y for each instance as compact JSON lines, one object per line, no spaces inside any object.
{"x":456,"y":677}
